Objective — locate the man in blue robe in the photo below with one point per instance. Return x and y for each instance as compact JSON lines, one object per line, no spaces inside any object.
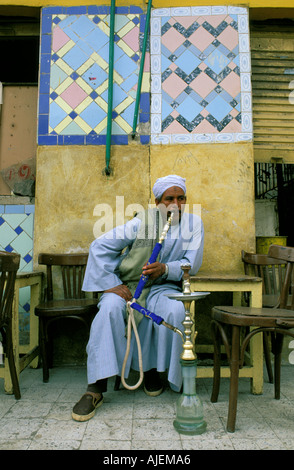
{"x":116,"y":260}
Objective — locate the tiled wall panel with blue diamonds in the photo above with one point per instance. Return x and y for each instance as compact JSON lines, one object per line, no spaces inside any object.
{"x":200,"y":75}
{"x":17,"y":235}
{"x":73,"y":96}
{"x":17,"y":232}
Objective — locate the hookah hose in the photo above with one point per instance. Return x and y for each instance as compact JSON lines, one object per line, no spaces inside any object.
{"x":133,"y":305}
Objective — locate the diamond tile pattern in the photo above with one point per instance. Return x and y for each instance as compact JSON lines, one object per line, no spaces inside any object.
{"x":200,"y":75}
{"x":16,"y":235}
{"x":16,"y":232}
{"x":75,"y":41}
{"x":197,"y":74}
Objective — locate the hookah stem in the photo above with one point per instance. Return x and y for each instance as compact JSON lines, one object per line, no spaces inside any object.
{"x":131,"y":321}
{"x":153,"y":257}
{"x":156,"y":318}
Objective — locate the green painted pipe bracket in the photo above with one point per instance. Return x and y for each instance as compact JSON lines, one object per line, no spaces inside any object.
{"x":110,"y":87}
{"x":139,"y":87}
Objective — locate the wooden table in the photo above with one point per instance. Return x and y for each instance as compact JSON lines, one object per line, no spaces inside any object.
{"x":24,"y":354}
{"x":206,"y":282}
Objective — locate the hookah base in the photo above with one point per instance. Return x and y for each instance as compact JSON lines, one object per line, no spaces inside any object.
{"x":189,"y":418}
{"x":189,"y":427}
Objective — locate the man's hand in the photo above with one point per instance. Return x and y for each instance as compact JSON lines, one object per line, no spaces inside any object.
{"x":121,"y":290}
{"x":154,"y":270}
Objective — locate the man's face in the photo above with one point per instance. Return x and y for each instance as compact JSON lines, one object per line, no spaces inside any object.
{"x":173,"y":199}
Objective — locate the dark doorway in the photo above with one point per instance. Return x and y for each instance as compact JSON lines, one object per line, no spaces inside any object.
{"x":275,"y":181}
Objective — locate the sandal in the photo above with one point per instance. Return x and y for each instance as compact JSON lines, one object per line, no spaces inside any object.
{"x":85,"y":408}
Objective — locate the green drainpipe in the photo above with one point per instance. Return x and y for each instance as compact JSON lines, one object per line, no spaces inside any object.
{"x":141,"y":68}
{"x":110,"y":87}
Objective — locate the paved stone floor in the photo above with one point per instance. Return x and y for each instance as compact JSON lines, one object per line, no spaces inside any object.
{"x":129,"y":420}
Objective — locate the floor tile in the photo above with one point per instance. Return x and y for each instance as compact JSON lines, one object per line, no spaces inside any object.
{"x":130,"y":420}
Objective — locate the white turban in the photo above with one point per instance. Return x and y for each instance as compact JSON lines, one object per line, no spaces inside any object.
{"x":162,"y":184}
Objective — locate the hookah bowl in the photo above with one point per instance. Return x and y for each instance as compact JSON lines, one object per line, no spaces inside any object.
{"x":189,"y":418}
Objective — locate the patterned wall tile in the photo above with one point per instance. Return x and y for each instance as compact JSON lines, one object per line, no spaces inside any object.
{"x":200,"y":75}
{"x":17,"y":232}
{"x":17,"y":235}
{"x":74,"y":70}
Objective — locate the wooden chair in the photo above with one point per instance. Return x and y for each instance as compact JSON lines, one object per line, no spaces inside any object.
{"x":272,"y":272}
{"x":74,"y":303}
{"x":9,"y":264}
{"x":277,"y":321}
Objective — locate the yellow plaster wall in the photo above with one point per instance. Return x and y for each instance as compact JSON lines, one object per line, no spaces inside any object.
{"x":70,"y":185}
{"x":220,"y":178}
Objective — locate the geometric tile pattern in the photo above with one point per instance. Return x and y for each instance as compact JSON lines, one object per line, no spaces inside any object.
{"x":200,"y":75}
{"x":17,"y":232}
{"x":17,"y":235}
{"x":74,"y":69}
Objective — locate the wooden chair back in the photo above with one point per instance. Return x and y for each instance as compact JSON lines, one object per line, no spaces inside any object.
{"x":272,"y":272}
{"x":72,"y":268}
{"x":9,"y":264}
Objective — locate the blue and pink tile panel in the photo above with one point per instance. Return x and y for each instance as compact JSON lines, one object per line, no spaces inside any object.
{"x":73,"y":100}
{"x":196,"y":83}
{"x":17,"y":232}
{"x":17,"y":235}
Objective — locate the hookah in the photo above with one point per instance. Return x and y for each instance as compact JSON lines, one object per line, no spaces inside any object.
{"x":189,"y":419}
{"x":134,"y":305}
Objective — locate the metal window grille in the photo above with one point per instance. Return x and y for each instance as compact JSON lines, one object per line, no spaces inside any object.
{"x":269,"y":177}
